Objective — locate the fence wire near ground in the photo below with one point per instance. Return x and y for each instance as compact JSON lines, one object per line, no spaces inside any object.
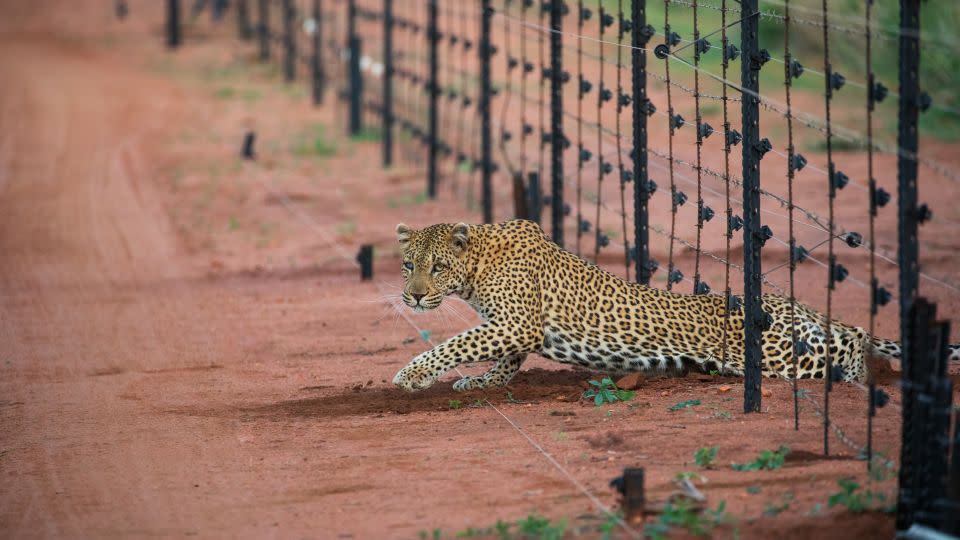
{"x":483,"y":95}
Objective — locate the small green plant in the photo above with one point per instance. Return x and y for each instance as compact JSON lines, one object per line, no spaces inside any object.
{"x":454,"y":404}
{"x":767,"y":460}
{"x":436,"y":534}
{"x":858,"y":501}
{"x":539,"y":527}
{"x":775,"y":507}
{"x":714,"y":372}
{"x":225,"y":92}
{"x":368,"y":135}
{"x":684,"y":405}
{"x":753,"y":490}
{"x":722,"y":414}
{"x":682,"y":515}
{"x":704,"y":456}
{"x":606,"y":391}
{"x":611,"y":520}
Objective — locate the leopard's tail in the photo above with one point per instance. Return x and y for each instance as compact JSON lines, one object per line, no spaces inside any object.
{"x":890,"y":350}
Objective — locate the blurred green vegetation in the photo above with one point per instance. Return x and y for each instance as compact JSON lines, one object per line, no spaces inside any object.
{"x":939,"y":66}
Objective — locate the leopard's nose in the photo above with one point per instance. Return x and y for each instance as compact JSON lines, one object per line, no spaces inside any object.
{"x":417,"y":297}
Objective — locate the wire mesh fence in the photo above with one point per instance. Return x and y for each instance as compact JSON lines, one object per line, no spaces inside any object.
{"x":610,"y":120}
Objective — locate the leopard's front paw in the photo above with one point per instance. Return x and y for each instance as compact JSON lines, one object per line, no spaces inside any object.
{"x":469,"y":383}
{"x":413,"y":379}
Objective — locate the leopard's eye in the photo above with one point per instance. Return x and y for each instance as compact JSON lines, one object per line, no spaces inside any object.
{"x":408,"y":265}
{"x":439,"y":267}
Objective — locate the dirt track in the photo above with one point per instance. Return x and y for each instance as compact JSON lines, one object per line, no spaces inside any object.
{"x":167,"y":374}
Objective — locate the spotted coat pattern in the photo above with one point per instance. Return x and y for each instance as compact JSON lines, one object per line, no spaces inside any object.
{"x":533,"y":296}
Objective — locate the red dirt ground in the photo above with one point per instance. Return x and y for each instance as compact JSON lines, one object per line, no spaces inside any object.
{"x":184,"y":350}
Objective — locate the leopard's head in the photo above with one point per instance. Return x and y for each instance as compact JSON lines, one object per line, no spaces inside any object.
{"x":434,"y":263}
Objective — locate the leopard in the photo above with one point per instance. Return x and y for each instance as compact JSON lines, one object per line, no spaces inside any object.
{"x":533,"y":296}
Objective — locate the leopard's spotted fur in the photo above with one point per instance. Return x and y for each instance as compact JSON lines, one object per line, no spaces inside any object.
{"x":535,"y":297}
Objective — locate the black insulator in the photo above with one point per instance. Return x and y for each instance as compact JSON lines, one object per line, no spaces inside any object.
{"x":798,"y":162}
{"x":506,"y":135}
{"x":853,"y":239}
{"x":679,"y":198}
{"x":705,"y":130}
{"x":796,"y":69}
{"x":602,"y":239}
{"x":763,"y":146}
{"x":701,"y":288}
{"x":881,"y":296}
{"x":736,"y":223}
{"x":647,"y":32}
{"x":545,"y":137}
{"x":836,"y":373}
{"x":605,"y":94}
{"x":878,"y":92}
{"x":584,"y":225}
{"x":467,"y":44}
{"x":649,"y":107}
{"x":676,"y":121}
{"x":512,"y":63}
{"x":624,"y":100}
{"x":924,"y":213}
{"x":451,"y":94}
{"x":759,"y":58}
{"x":840,"y":272}
{"x":564,"y":76}
{"x":765,"y":233}
{"x":880,"y":398}
{"x":880,"y":197}
{"x":453,"y":39}
{"x":566,"y":209}
{"x":606,"y":19}
{"x":798,"y":254}
{"x":625,"y":26}
{"x":837,"y":81}
{"x":733,"y":137}
{"x":661,"y":51}
{"x":734,"y":303}
{"x":528,"y":67}
{"x":585,"y":86}
{"x":467,"y":101}
{"x":585,"y":155}
{"x":731,"y":52}
{"x":606,"y":167}
{"x":702,"y":46}
{"x":585,"y":14}
{"x":801,"y":347}
{"x":840,"y":180}
{"x":626,"y":175}
{"x":547,"y":200}
{"x":924,"y":101}
{"x":675,"y":276}
{"x":673,"y":39}
{"x":706,"y":213}
{"x":651,"y":187}
{"x":527,"y":129}
{"x":766,"y":322}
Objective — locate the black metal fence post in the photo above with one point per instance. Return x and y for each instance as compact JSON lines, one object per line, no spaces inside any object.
{"x":263,"y":29}
{"x":289,"y":43}
{"x":557,"y":138}
{"x":639,"y":35}
{"x":174,"y":36}
{"x":243,"y":20}
{"x":353,"y":70}
{"x":927,"y":392}
{"x":486,"y":160}
{"x":388,"y":83}
{"x":433,"y":40}
{"x":752,"y":239}
{"x":908,"y":141}
{"x":316,"y":61}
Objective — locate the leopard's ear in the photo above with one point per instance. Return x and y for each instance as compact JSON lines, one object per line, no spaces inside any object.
{"x":403,"y":233}
{"x":459,"y":238}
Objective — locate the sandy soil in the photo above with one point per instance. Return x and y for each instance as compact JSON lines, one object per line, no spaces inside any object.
{"x":186,"y":348}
